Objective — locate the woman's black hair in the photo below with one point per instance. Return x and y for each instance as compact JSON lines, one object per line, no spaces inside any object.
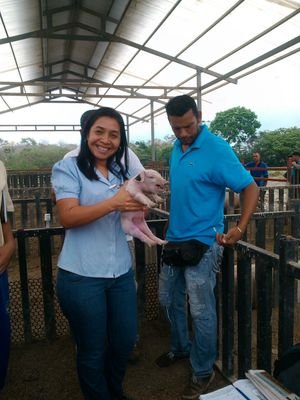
{"x":86,"y":160}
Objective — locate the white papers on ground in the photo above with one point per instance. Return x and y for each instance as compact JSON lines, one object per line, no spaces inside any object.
{"x":227,"y":392}
{"x":259,"y":385}
{"x":240,"y":390}
{"x":269,"y":386}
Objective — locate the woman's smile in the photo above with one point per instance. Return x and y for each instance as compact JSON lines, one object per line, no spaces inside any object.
{"x":104,"y":138}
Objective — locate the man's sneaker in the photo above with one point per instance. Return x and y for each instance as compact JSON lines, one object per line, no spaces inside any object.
{"x":197,"y":386}
{"x":167,"y":359}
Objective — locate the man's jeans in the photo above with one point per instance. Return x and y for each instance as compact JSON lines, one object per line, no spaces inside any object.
{"x":198,"y":282}
{"x":102,"y":314}
{"x":4,"y":327}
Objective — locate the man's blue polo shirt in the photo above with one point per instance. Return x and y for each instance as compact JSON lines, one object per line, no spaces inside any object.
{"x":198,"y":180}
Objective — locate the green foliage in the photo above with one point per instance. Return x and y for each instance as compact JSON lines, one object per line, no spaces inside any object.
{"x":238,"y":125}
{"x":144,"y":151}
{"x":163,"y":153}
{"x":28,"y":141}
{"x":32,"y":156}
{"x":275,"y":146}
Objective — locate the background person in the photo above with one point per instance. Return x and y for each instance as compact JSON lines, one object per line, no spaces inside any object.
{"x":95,"y":283}
{"x":7,"y":248}
{"x":196,"y":213}
{"x":259,"y":173}
{"x":287,"y":174}
{"x":295,"y":173}
{"x":296,"y":164}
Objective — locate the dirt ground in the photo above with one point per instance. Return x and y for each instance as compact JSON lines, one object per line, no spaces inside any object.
{"x":46,"y":371}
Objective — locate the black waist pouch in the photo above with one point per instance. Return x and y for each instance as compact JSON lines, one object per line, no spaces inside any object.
{"x":183,"y":254}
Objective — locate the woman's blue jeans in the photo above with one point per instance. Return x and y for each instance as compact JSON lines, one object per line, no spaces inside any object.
{"x":102,"y":313}
{"x":196,"y":283}
{"x":4,"y":327}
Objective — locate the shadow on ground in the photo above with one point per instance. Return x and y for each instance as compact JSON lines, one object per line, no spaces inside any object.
{"x":46,"y":371}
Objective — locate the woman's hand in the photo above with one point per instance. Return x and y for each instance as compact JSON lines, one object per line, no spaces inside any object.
{"x":72,"y":214}
{"x":123,"y":201}
{"x":7,"y":250}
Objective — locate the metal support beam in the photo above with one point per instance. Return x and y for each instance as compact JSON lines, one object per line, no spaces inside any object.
{"x":152,"y":130}
{"x":98,"y":36}
{"x":199,"y":94}
{"x":256,"y":60}
{"x":127,"y":127}
{"x":39,"y":128}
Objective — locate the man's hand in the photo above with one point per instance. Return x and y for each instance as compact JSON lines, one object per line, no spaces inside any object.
{"x":230,"y":238}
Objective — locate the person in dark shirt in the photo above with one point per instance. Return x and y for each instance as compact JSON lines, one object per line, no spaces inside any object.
{"x":295,"y":167}
{"x":287,"y":174}
{"x":256,"y":170}
{"x":295,"y":173}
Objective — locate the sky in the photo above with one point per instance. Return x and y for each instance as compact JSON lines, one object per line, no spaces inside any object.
{"x":272,"y":93}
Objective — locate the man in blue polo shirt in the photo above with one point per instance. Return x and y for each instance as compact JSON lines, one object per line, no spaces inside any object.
{"x":196,"y":230}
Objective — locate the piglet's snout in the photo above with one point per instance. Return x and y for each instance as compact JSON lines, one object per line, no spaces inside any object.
{"x":162,"y":186}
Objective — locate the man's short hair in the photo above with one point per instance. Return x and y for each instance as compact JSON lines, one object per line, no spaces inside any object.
{"x":296,"y":153}
{"x":180,"y":105}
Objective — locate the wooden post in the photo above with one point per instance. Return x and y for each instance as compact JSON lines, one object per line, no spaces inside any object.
{"x":288,"y":251}
{"x":47,"y":283}
{"x":21,"y":239}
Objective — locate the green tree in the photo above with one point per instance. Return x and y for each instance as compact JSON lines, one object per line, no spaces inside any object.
{"x":143,"y":151}
{"x":28,"y":141}
{"x":275,"y":146}
{"x":238,"y":125}
{"x":32,"y":156}
{"x":163,"y":152}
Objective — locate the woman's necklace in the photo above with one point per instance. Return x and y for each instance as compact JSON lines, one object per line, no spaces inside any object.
{"x":103,"y":169}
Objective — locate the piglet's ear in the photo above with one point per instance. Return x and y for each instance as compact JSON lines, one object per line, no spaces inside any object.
{"x":140,"y":177}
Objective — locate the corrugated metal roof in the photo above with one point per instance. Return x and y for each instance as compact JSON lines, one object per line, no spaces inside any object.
{"x":139,"y":52}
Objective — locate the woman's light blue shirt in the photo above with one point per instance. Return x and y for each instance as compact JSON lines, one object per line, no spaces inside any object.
{"x":98,"y":249}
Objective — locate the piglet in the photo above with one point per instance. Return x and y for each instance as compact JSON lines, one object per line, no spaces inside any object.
{"x":144,"y":188}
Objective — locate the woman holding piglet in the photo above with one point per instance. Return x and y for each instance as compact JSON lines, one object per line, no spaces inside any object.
{"x":95,"y":284}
